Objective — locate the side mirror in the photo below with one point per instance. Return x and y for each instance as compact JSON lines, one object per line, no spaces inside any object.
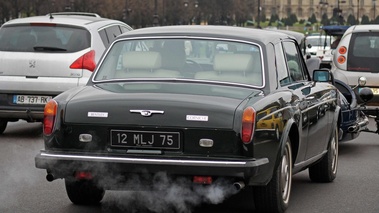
{"x":323,"y":76}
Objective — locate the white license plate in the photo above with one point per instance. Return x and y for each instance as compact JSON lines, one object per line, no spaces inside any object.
{"x":145,"y":139}
{"x":31,"y":99}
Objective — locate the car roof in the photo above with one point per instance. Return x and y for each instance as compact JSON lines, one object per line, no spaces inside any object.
{"x":75,"y":20}
{"x":298,"y":36}
{"x":363,"y":28}
{"x":223,"y":32}
{"x":334,"y":30}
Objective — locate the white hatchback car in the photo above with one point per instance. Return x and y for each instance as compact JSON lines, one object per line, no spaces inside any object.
{"x":43,"y":56}
{"x":357,"y":55}
{"x":317,"y":45}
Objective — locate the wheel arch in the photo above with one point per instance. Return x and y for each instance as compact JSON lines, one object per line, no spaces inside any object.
{"x":291,"y":132}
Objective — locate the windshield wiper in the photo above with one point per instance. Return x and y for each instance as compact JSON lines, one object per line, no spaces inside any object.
{"x":43,"y":48}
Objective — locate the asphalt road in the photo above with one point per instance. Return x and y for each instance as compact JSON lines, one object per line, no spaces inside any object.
{"x":23,"y":188}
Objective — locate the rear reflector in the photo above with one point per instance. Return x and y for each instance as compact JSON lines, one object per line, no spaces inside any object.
{"x":202,"y":179}
{"x":83,"y":175}
{"x":86,"y":61}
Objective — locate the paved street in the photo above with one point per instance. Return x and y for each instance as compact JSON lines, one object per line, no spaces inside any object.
{"x":23,"y":188}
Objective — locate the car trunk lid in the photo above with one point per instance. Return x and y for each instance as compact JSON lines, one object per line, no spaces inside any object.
{"x":206,"y":106}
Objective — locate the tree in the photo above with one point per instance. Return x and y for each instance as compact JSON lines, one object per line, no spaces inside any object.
{"x":376,"y":20}
{"x":365,"y":20}
{"x":274,"y":18}
{"x":312,"y":19}
{"x":351,"y":20}
{"x":325,"y":20}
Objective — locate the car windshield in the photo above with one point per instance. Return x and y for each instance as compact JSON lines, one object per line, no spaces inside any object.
{"x":318,"y":41}
{"x":363,"y":52}
{"x":194,"y":59}
{"x":32,"y":38}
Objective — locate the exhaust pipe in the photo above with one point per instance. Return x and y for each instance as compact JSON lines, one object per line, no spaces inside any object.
{"x":357,"y":127}
{"x":50,"y":177}
{"x":239,"y":185}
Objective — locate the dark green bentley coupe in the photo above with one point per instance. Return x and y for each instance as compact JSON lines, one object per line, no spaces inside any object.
{"x":197,"y":103}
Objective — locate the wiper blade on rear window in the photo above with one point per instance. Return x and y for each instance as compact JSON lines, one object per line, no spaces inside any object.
{"x":42,"y":48}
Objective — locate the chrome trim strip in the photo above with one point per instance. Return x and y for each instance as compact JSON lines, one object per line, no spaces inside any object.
{"x":157,"y":161}
{"x":319,"y":104}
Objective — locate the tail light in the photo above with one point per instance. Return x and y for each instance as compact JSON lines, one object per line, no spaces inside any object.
{"x":342,"y":50}
{"x":248,"y":120}
{"x":86,"y":61}
{"x":49,"y":113}
{"x":341,"y":59}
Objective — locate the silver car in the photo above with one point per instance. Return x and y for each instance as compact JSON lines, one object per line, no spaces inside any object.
{"x":357,"y":55}
{"x":43,"y":56}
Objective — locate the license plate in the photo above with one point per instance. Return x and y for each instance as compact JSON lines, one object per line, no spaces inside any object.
{"x":145,"y":139}
{"x":30,"y":99}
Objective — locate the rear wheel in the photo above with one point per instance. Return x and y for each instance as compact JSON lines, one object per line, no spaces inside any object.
{"x":275,"y":196}
{"x":3,"y":126}
{"x":326,"y":169}
{"x":84,"y":192}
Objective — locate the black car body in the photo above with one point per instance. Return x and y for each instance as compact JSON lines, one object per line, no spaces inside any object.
{"x":193,"y":111}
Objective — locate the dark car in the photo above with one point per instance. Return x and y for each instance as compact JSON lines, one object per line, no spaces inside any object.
{"x":194,"y":115}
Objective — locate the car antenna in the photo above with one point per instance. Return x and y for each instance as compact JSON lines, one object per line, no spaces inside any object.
{"x":50,"y":14}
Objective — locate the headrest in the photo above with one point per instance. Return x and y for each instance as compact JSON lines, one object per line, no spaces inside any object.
{"x":233,"y":62}
{"x":141,"y":60}
{"x":292,"y":65}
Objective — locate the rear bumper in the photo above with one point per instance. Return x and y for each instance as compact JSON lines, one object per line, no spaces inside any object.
{"x":62,"y":165}
{"x":29,"y":114}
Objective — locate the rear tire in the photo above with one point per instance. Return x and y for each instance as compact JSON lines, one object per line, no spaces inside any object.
{"x":326,"y":169}
{"x":3,"y":126}
{"x":275,"y":196}
{"x":84,"y":192}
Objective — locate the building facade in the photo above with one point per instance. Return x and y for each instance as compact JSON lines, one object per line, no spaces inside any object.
{"x":303,"y":9}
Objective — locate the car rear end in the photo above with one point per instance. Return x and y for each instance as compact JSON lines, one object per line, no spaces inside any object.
{"x":137,"y":115}
{"x":41,"y":57}
{"x":356,"y":56}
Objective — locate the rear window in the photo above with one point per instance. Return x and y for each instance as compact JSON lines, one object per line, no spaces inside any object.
{"x":43,"y":39}
{"x":363,"y":52}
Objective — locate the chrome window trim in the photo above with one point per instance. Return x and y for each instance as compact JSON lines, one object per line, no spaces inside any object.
{"x":177,"y":79}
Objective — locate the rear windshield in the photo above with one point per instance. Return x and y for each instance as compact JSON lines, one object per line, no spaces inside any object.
{"x":193,"y":59}
{"x":363,"y":52}
{"x":43,"y":38}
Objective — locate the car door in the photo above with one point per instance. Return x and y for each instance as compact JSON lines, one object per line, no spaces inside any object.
{"x":310,"y":101}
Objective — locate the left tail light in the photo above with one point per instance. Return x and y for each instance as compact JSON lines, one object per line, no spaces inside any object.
{"x":49,"y":115}
{"x":342,"y":57}
{"x":248,"y":120}
{"x":86,"y":61}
